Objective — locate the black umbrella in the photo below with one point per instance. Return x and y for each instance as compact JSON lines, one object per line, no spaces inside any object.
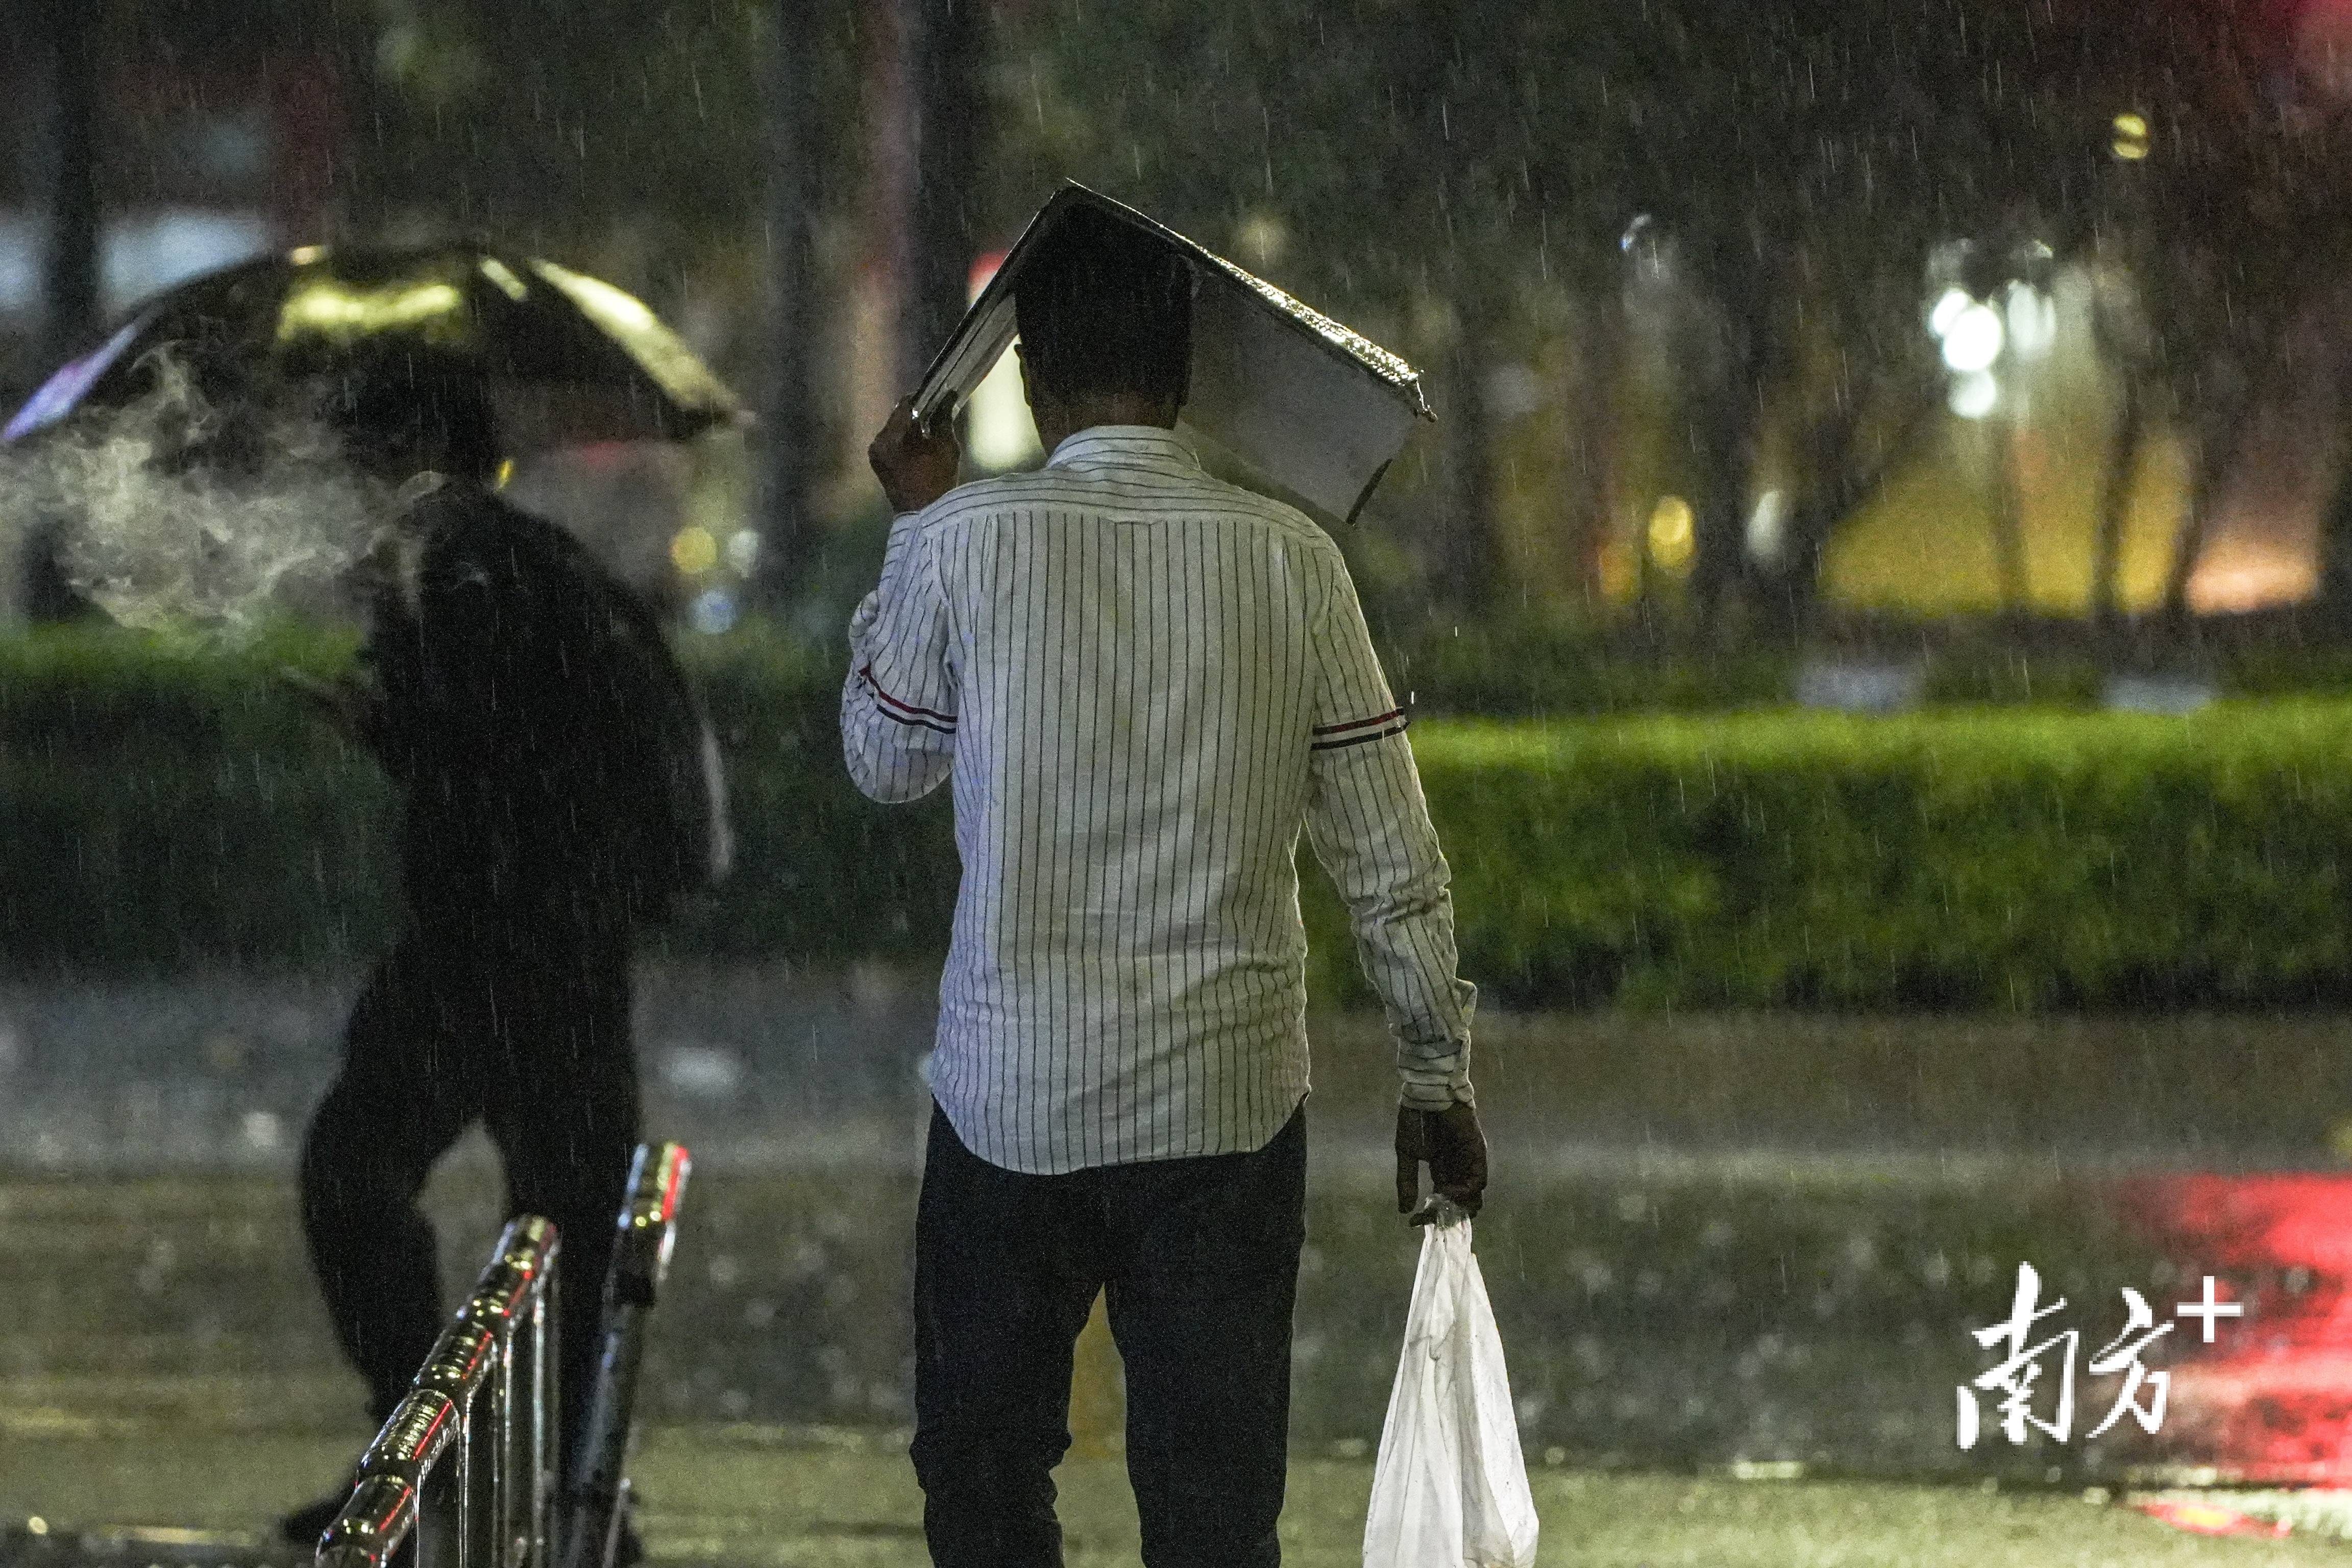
{"x":568,"y":359}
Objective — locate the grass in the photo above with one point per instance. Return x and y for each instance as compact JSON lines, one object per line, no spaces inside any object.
{"x":764,"y":1499}
{"x":2313,"y":727}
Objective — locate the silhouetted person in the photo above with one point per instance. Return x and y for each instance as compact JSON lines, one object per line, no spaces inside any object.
{"x":522,"y":701}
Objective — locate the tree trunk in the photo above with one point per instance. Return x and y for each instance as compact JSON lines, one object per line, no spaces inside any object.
{"x":2007,"y":505}
{"x":1598,"y":346}
{"x":790,"y":429}
{"x":69,"y":261}
{"x":70,"y":302}
{"x":1469,"y":540}
{"x":2216,"y":441}
{"x":2115,"y":489}
{"x":1835,"y":484}
{"x":1735,"y":353}
{"x":1724,"y":427}
{"x":2335,"y":521}
{"x":943,"y":41}
{"x":1823,"y":490}
{"x":2336,"y":546}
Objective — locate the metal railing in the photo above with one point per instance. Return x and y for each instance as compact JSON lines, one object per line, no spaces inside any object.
{"x":467,"y":1463}
{"x":462,"y":1462}
{"x":598,"y":1501}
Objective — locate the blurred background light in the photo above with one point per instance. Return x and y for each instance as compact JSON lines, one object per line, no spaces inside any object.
{"x":999,"y":434}
{"x":1975,"y":395}
{"x":713,"y":611}
{"x":693,"y":551}
{"x":743,"y":550}
{"x":1767,"y":525}
{"x":1672,"y":538}
{"x":1973,"y":339}
{"x":2131,"y":137}
{"x":1946,"y":310}
{"x":2032,"y":320}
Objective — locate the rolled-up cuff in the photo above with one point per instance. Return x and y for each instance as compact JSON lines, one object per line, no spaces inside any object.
{"x":1434,"y":1089}
{"x":862,"y":619}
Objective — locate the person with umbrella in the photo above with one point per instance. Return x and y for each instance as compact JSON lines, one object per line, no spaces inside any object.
{"x":540,"y":734}
{"x":558,"y":785}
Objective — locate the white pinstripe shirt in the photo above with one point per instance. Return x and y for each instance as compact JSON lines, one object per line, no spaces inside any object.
{"x":1143,"y":681}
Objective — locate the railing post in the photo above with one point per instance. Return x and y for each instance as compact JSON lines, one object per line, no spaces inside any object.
{"x":648,"y":1231}
{"x":530,"y":1435}
{"x":540,"y":1436}
{"x":393,"y":1477}
{"x":443,"y":1466}
{"x":468,"y":1464}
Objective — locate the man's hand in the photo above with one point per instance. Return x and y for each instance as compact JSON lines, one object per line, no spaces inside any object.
{"x":915,"y":463}
{"x":1452,"y":1145}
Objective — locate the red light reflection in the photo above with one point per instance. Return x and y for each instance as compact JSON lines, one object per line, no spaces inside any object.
{"x":2271,"y":1398}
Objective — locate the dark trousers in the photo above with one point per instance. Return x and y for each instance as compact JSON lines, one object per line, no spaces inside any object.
{"x":1199,"y":1261}
{"x":522,"y":1026}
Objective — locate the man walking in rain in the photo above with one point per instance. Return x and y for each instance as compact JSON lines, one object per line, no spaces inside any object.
{"x":1142,"y":682}
{"x":520,"y":699}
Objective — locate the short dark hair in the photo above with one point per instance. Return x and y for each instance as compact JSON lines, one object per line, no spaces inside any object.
{"x":440,"y":419}
{"x":1106,"y":308}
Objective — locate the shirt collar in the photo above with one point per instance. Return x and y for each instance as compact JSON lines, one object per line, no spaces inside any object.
{"x":1124,"y":447}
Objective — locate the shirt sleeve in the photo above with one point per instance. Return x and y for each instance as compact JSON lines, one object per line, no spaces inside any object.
{"x":898,"y":705}
{"x":1370,"y":827}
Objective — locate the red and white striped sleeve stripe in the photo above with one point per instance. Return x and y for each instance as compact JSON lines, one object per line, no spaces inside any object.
{"x":905,"y":713}
{"x":1355,"y":732}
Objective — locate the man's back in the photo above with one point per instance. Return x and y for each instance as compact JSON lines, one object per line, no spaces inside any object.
{"x":1144,"y":663}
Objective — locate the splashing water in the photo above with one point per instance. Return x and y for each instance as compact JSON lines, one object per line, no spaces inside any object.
{"x":186,"y":513}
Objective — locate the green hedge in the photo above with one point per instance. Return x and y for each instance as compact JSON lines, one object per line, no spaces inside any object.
{"x":1977,"y":858}
{"x":166,"y":810}
{"x":167,"y":806}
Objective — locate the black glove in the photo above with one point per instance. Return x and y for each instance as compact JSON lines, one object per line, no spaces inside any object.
{"x":1454,"y":1146}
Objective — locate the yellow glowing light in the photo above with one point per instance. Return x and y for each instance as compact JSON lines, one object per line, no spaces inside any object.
{"x":38,"y":1525}
{"x":500,"y":273}
{"x":505,"y":474}
{"x":1001,"y":431}
{"x":661,"y":351}
{"x":2204,"y":1515}
{"x":1672,"y":540}
{"x":693,"y":550}
{"x":330,"y":308}
{"x":303,"y":255}
{"x":2131,"y":137}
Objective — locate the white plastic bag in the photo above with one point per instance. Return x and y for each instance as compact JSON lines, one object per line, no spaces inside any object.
{"x":1450,"y":1489}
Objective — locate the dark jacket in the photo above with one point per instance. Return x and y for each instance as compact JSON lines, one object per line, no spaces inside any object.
{"x":534,"y":721}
